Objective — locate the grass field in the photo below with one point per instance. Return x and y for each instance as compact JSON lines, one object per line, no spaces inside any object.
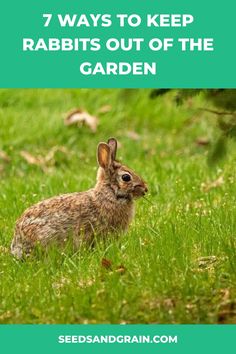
{"x":177,"y":263}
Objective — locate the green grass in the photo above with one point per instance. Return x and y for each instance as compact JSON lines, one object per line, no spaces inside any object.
{"x":163,"y":278}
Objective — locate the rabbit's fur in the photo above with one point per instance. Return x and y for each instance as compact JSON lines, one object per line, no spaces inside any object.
{"x":104,"y":209}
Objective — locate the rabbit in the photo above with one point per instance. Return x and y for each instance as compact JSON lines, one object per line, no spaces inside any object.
{"x":105,"y":209}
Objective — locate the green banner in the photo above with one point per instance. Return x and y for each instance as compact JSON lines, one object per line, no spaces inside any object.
{"x":58,"y":43}
{"x":179,"y":339}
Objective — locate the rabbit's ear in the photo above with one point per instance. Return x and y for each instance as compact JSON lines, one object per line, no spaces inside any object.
{"x":112,"y":142}
{"x":104,"y":155}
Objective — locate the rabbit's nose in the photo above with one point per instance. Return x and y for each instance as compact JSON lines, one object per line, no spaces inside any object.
{"x":145,"y":189}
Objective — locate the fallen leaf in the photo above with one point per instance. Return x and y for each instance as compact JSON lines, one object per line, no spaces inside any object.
{"x":44,"y":162}
{"x":133,"y":135}
{"x":32,"y":160}
{"x":105,"y":109}
{"x":206,"y":262}
{"x":202,"y":141}
{"x":206,"y":187}
{"x":225,"y":294}
{"x":106,"y":263}
{"x":4,"y":156}
{"x":81,"y":117}
{"x":51,"y":154}
{"x":120,"y":269}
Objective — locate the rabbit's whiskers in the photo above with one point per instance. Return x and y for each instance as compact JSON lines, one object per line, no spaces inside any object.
{"x":148,"y":200}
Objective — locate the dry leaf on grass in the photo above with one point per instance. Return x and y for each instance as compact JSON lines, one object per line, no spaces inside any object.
{"x":225,"y":294}
{"x":206,"y":262}
{"x":105,"y":109}
{"x":78,"y":117}
{"x":46,"y":161}
{"x":206,"y":187}
{"x":51,"y":154}
{"x":120,"y":269}
{"x":106,"y":263}
{"x":32,"y":160}
{"x":202,"y":141}
{"x":4,"y":156}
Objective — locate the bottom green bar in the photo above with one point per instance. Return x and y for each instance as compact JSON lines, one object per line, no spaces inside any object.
{"x":106,"y":339}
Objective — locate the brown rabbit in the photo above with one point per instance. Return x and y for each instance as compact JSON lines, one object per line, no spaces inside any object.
{"x":104,"y":209}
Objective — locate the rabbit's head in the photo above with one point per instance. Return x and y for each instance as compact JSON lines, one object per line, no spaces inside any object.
{"x":124,"y":182}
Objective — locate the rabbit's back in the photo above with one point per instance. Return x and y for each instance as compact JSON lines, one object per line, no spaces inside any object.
{"x":79,"y":215}
{"x":52,"y":219}
{"x":57,"y":212}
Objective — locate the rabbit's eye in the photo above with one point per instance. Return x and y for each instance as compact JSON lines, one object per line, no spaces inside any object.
{"x":126,"y":178}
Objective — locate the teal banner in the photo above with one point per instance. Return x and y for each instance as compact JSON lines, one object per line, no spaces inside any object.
{"x":59,"y":43}
{"x":60,"y":339}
